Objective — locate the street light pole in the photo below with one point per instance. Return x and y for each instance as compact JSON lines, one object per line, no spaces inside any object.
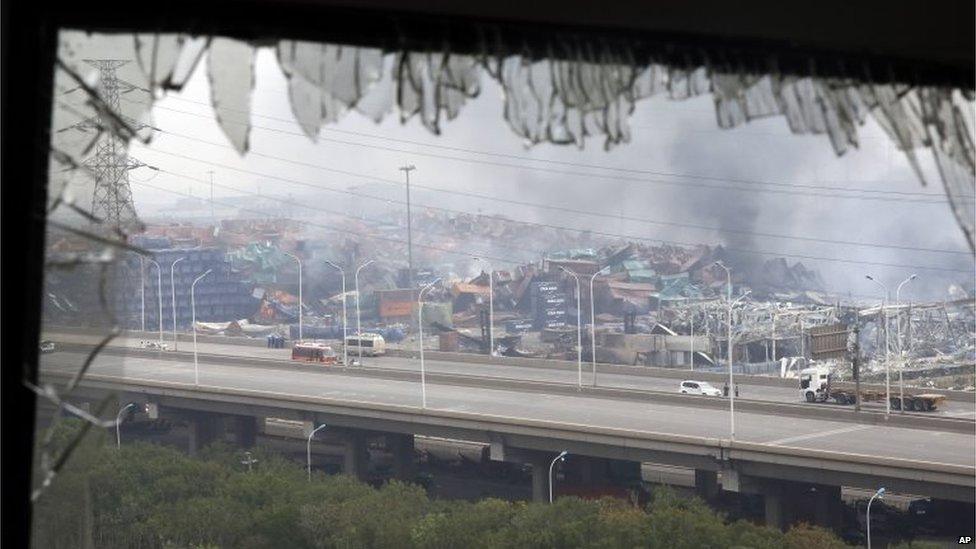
{"x":884,"y":322}
{"x":880,"y":495}
{"x":299,"y":261}
{"x":345,"y":352}
{"x":172,"y":294}
{"x":159,"y":298}
{"x":420,"y":319}
{"x":593,"y":322}
{"x":249,"y":461}
{"x":308,"y":450}
{"x":560,"y":457}
{"x":803,"y":339}
{"x":118,"y":424}
{"x":142,"y":289}
{"x":491,"y":309}
{"x":898,"y":304}
{"x":728,"y":346}
{"x":691,"y":318}
{"x":359,"y":330}
{"x":193,"y":312}
{"x":579,"y":337}
{"x":731,"y":380}
{"x":901,"y":351}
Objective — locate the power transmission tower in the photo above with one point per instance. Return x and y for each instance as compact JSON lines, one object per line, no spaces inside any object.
{"x":110,"y":163}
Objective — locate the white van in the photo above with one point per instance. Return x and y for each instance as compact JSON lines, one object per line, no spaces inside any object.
{"x":371,"y":344}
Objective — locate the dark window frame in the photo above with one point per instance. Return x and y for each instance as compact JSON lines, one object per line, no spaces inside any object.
{"x":896,"y":38}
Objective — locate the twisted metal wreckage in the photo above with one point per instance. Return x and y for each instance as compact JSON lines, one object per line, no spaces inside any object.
{"x":587,"y":89}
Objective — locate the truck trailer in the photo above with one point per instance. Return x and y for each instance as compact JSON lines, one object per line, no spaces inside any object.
{"x":816,"y":385}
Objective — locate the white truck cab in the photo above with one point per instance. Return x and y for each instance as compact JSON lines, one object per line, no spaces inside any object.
{"x":814,"y":384}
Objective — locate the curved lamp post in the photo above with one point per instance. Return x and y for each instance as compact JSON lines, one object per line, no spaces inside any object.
{"x":884,"y":322}
{"x":561,"y":457}
{"x":172,"y":294}
{"x":193,"y":308}
{"x":593,"y":321}
{"x":142,"y":289}
{"x":299,"y":261}
{"x":880,"y":495}
{"x":359,"y":330}
{"x":731,"y":380}
{"x":345,"y":352}
{"x":118,"y":424}
{"x":579,"y":335}
{"x":901,"y":352}
{"x":308,"y":450}
{"x":898,"y":304}
{"x":728,"y":350}
{"x":159,"y":298}
{"x":420,"y":319}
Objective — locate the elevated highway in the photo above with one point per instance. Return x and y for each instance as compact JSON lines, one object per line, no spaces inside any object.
{"x":625,"y":379}
{"x":766,"y":454}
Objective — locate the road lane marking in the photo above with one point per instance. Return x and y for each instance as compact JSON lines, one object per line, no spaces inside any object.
{"x":808,"y":436}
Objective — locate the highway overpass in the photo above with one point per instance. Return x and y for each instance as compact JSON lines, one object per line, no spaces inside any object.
{"x":770,"y":455}
{"x":960,"y":404}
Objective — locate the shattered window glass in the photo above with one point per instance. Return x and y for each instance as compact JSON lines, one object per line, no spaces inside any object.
{"x":214,"y":202}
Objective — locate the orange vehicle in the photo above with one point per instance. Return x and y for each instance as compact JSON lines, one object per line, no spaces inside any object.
{"x":313,"y":351}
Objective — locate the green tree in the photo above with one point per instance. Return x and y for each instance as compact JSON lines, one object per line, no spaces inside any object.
{"x":804,"y":536}
{"x":150,"y":496}
{"x":568,"y":522}
{"x":63,"y":514}
{"x":684,"y":523}
{"x":746,"y":534}
{"x":463,"y":524}
{"x":380,"y":518}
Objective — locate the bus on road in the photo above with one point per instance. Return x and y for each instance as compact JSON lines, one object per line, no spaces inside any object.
{"x":371,"y":344}
{"x":313,"y":351}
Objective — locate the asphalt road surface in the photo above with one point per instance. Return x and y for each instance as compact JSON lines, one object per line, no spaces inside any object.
{"x":934,"y":446}
{"x":570,"y":375}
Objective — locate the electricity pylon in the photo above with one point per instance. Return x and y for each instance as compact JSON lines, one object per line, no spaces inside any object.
{"x":110,"y":163}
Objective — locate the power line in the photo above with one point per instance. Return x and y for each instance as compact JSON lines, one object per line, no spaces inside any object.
{"x":566,"y":163}
{"x":682,"y":184}
{"x":550,"y":226}
{"x":532,"y":204}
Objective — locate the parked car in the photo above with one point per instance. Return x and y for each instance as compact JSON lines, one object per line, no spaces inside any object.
{"x":48,"y":346}
{"x":698,"y":388}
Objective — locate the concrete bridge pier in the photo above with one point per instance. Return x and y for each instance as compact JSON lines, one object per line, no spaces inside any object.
{"x":706,"y":484}
{"x":245,"y":429}
{"x":402,"y":449}
{"x":828,"y":507}
{"x":788,"y":502}
{"x":540,"y":477}
{"x":203,"y":429}
{"x":355,"y":455}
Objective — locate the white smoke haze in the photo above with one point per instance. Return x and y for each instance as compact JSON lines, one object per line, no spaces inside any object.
{"x":669,"y":137}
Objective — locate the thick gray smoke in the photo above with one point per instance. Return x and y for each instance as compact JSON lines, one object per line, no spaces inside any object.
{"x":669,"y":137}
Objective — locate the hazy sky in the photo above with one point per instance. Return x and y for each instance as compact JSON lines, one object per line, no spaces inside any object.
{"x":669,"y":137}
